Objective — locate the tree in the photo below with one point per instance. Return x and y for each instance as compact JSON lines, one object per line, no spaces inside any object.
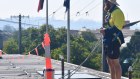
{"x":132,"y":48}
{"x":131,"y":51}
{"x":89,"y":36}
{"x":11,"y":46}
{"x":81,"y":45}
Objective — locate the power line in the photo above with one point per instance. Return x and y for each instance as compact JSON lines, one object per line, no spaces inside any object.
{"x":87,"y":12}
{"x":53,"y":13}
{"x":78,"y":13}
{"x":95,"y":6}
{"x":19,"y":33}
{"x":87,"y":5}
{"x":17,"y":22}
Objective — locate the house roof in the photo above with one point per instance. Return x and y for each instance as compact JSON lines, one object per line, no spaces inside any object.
{"x":27,"y":67}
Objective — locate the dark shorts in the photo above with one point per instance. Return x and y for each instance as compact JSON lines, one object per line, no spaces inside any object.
{"x":112,"y":51}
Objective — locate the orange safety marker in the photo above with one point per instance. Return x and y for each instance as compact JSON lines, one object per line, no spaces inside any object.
{"x":0,"y":54}
{"x":50,"y":74}
{"x":36,"y":51}
{"x":49,"y":71}
{"x":46,"y":39}
{"x":48,"y":63}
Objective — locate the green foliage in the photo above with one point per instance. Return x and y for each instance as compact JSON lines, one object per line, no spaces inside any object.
{"x":89,"y":36}
{"x":131,"y":51}
{"x":79,"y":50}
{"x":81,"y":45}
{"x":58,"y":37}
{"x":59,"y":51}
{"x":10,"y":46}
{"x":136,"y":67}
{"x":132,"y":48}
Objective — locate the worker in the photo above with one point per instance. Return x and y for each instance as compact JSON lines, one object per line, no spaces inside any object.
{"x":113,"y":36}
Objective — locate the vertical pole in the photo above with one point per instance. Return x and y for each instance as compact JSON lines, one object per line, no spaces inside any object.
{"x":46,"y":16}
{"x":49,"y":71}
{"x":130,"y":74}
{"x":130,"y":70}
{"x":19,"y":36}
{"x":104,"y":63}
{"x":46,"y":47}
{"x":68,"y":38}
{"x":19,"y":33}
{"x":62,"y":62}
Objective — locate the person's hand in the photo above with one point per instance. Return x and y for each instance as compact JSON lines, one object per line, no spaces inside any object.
{"x":102,"y":30}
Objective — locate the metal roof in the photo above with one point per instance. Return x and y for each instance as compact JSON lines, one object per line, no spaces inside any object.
{"x":27,"y":67}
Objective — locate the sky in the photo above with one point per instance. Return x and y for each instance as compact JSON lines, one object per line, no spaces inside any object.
{"x":94,"y":7}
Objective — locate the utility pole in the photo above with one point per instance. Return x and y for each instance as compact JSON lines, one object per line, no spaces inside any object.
{"x":19,"y":34}
{"x":104,"y":62}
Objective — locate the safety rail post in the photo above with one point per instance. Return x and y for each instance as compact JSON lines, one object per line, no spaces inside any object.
{"x":130,"y":70}
{"x":62,"y":65}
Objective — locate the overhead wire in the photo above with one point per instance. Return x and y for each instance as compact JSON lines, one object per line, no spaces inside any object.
{"x":94,"y":6}
{"x":53,"y":13}
{"x":87,"y":5}
{"x":87,"y":12}
{"x":78,"y":12}
{"x":17,"y":22}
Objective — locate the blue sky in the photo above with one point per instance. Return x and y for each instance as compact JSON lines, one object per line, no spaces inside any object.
{"x":94,"y":7}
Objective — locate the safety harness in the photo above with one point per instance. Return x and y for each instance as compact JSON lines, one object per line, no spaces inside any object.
{"x":112,"y":33}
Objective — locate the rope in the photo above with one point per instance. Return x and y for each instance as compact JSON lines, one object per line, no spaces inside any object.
{"x":77,"y":68}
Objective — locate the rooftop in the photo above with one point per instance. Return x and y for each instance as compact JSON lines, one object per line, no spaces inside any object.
{"x":27,"y":67}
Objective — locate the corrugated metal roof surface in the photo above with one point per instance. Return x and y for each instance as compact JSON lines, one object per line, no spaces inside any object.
{"x":26,"y":67}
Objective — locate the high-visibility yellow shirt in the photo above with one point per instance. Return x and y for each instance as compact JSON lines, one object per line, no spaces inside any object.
{"x":117,"y":19}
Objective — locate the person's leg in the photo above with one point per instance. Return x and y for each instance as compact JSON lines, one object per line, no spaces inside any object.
{"x":111,"y":68}
{"x":116,"y":63}
{"x":118,"y":70}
